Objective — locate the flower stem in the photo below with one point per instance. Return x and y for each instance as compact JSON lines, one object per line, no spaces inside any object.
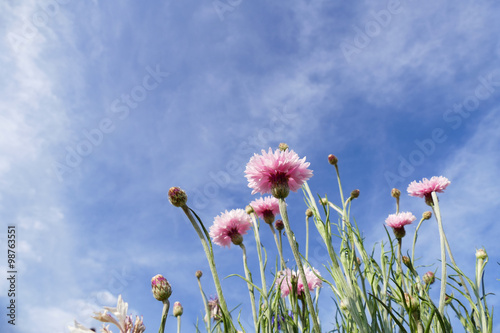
{"x":437,"y":213}
{"x":207,"y":310}
{"x":296,"y":254}
{"x":307,"y":238}
{"x":278,"y":245}
{"x":178,"y":324}
{"x":211,"y":263}
{"x":248,"y":276}
{"x":166,"y":306}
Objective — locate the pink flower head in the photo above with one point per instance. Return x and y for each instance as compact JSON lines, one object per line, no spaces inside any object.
{"x":230,"y":227}
{"x":285,"y":278}
{"x":266,"y":208}
{"x":277,"y":173}
{"x":398,"y":221}
{"x":425,"y":187}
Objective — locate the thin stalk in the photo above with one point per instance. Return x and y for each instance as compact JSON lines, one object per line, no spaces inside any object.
{"x":415,"y":240}
{"x":278,"y":245}
{"x":178,"y":324}
{"x":166,"y":306}
{"x":211,"y":263}
{"x":442,"y":293}
{"x":261,"y":263}
{"x":207,"y":310}
{"x":455,"y":264}
{"x":307,"y":238}
{"x":296,"y":254}
{"x":340,"y":186}
{"x":248,"y":276}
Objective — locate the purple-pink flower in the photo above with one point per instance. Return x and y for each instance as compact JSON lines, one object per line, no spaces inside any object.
{"x":425,"y":187}
{"x":266,"y":208}
{"x":284,"y":281}
{"x":277,"y":172}
{"x":230,"y":227}
{"x":398,"y":221}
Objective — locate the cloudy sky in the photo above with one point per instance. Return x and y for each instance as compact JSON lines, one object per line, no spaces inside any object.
{"x":105,"y":106}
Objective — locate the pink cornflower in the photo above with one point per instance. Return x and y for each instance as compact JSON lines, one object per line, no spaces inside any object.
{"x":425,"y":187}
{"x":266,"y":208}
{"x":285,"y":278}
{"x":230,"y":227}
{"x":277,"y":173}
{"x":398,"y":221}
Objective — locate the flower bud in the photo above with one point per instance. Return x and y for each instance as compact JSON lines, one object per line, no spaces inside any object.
{"x":178,"y":310}
{"x":429,"y":278}
{"x":411,"y":302}
{"x":161,"y":288}
{"x":395,"y":193}
{"x":279,"y":225}
{"x":448,"y":299}
{"x":199,"y":274}
{"x":237,"y":239}
{"x":355,"y":194}
{"x":283,"y":146}
{"x":407,"y":262}
{"x":309,"y":212}
{"x":177,"y":197}
{"x":249,"y":209}
{"x":323,"y":201}
{"x":280,"y":190}
{"x":481,"y":254}
{"x":426,"y":215}
{"x":332,"y":159}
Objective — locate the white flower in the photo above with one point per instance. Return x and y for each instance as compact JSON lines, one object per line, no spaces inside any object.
{"x":79,"y":328}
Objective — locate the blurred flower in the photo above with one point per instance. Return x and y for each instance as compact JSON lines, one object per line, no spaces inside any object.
{"x":79,"y":328}
{"x":425,"y":187}
{"x":266,"y":208}
{"x":277,"y":173}
{"x":398,"y":221}
{"x":287,"y":277}
{"x":122,"y":321}
{"x":161,"y":288}
{"x":429,"y":278}
{"x":214,"y":308}
{"x":230,"y":227}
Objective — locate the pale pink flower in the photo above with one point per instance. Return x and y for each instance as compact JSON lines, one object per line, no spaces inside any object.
{"x":398,"y":221}
{"x":230,"y":227}
{"x":277,"y":172}
{"x":266,"y":208}
{"x":425,"y":187}
{"x":285,"y":278}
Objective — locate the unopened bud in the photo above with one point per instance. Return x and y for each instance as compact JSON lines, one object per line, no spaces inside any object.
{"x":178,"y":310}
{"x":198,"y":274}
{"x":237,"y":239}
{"x":332,"y":159}
{"x":426,"y":215}
{"x":399,"y":232}
{"x":283,"y":146}
{"x":177,"y":196}
{"x":355,"y":194}
{"x":411,"y":302}
{"x":481,"y":254}
{"x":407,"y":262}
{"x":249,"y":209}
{"x":429,"y":278}
{"x":309,"y":212}
{"x":161,"y":288}
{"x":323,"y":201}
{"x":279,"y":225}
{"x":395,"y":193}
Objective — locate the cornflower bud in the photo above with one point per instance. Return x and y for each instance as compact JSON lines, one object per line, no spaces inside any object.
{"x":249,"y":209}
{"x":178,"y":310}
{"x":309,"y":212}
{"x":426,"y":215}
{"x":395,"y":193}
{"x":199,"y":274}
{"x":429,"y":278}
{"x":481,"y":254}
{"x":177,"y":196}
{"x":332,"y":159}
{"x":161,"y":288}
{"x":283,"y":146}
{"x":355,"y":194}
{"x":279,"y":225}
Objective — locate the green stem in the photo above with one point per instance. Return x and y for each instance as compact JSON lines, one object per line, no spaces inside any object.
{"x":166,"y":306}
{"x":211,"y":263}
{"x":178,"y":324}
{"x":248,"y":276}
{"x":415,"y":240}
{"x":278,"y":245}
{"x":296,"y":254}
{"x":307,"y":238}
{"x":442,"y":293}
{"x":207,"y":310}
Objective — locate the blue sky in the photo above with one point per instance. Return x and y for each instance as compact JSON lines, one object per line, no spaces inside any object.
{"x":105,"y":106}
